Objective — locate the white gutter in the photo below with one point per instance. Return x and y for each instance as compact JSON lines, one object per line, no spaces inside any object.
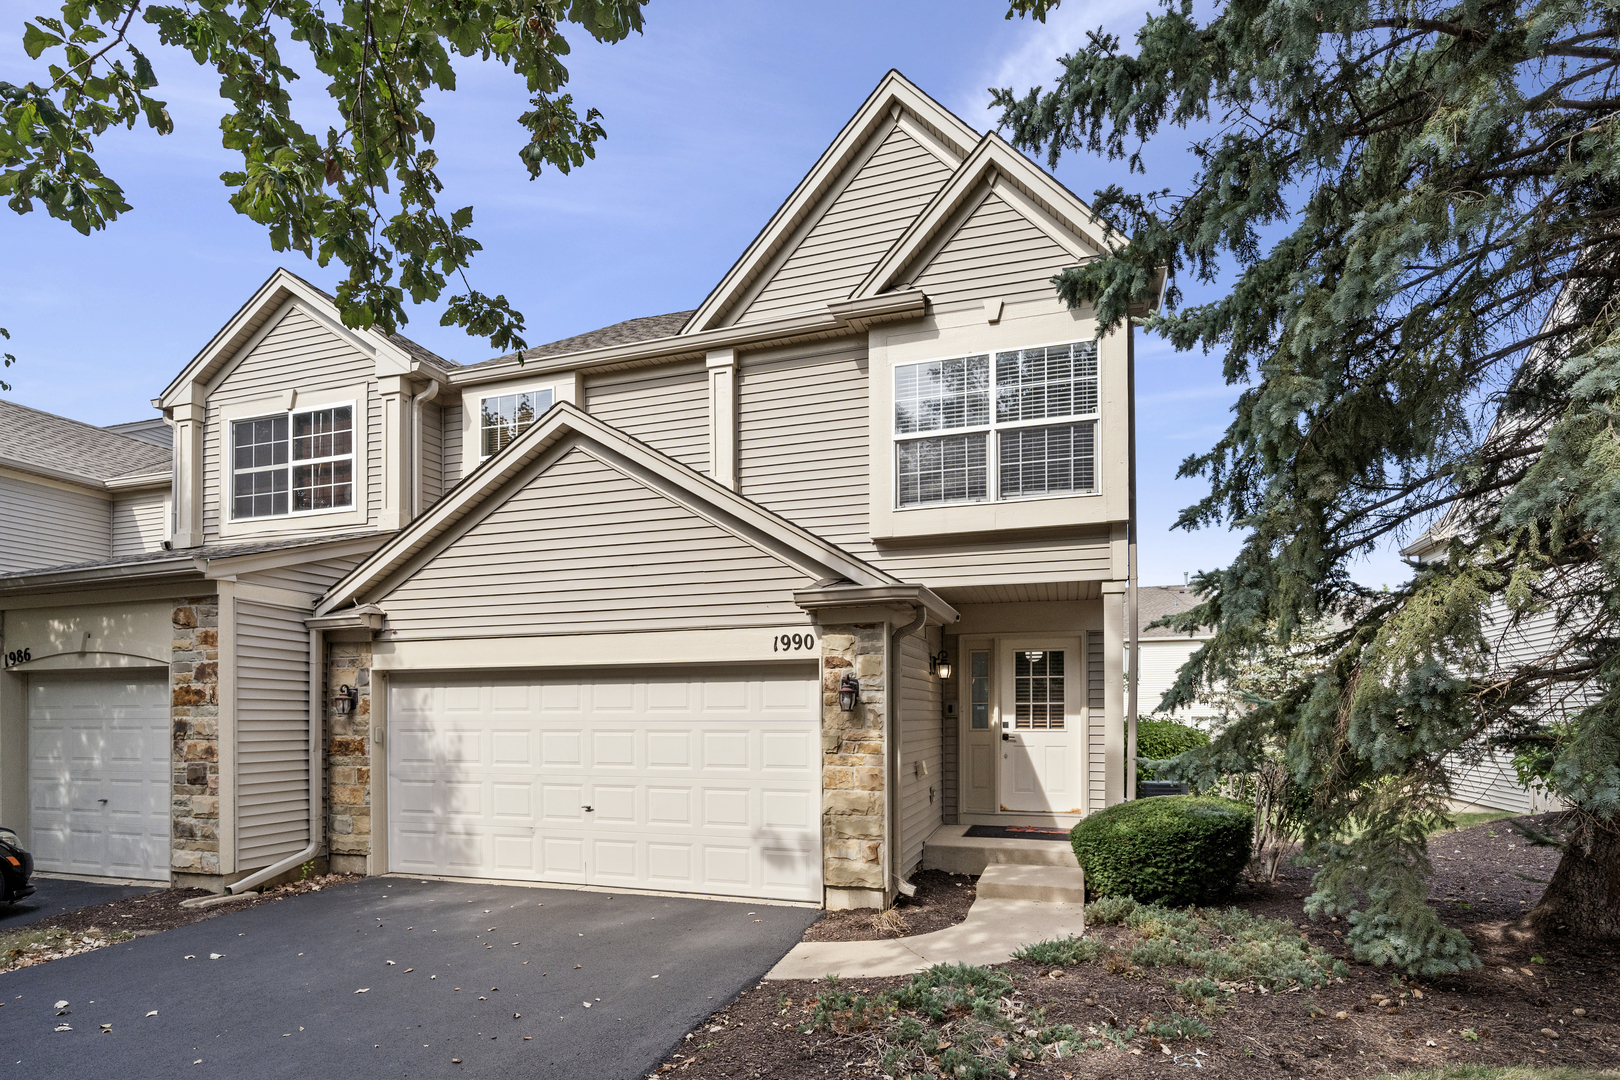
{"x":432,"y":391}
{"x":317,"y":649}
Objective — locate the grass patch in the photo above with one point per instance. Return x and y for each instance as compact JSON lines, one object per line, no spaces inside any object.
{"x":30,"y":945}
{"x":1467,"y":821}
{"x":1497,"y":1072}
{"x":965,"y":1022}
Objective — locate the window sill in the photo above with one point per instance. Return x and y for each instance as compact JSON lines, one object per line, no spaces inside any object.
{"x":291,"y":523}
{"x":1028,"y":513}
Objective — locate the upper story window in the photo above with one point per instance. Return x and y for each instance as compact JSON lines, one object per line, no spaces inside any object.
{"x":505,"y":417}
{"x":292,"y":463}
{"x":999,"y":413}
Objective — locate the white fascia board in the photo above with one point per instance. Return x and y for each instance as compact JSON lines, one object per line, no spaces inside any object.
{"x":180,"y":567}
{"x":52,"y":473}
{"x":894,"y":93}
{"x":719,"y":504}
{"x":144,"y":481}
{"x":846,"y":596}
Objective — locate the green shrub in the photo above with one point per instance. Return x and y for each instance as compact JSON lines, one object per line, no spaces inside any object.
{"x":1174,"y":849}
{"x":1158,"y":739}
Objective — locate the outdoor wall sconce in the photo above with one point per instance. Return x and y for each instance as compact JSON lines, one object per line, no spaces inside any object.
{"x":940,"y":664}
{"x":343,"y":701}
{"x":849,"y":692}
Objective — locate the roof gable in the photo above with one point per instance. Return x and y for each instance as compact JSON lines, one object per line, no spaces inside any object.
{"x":896,"y":104}
{"x":56,"y":446}
{"x":561,"y":434}
{"x":392,"y":353}
{"x":993,"y":169}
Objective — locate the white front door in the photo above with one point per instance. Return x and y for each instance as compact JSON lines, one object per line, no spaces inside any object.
{"x":1041,"y":730}
{"x":705,"y":781}
{"x":98,"y":774}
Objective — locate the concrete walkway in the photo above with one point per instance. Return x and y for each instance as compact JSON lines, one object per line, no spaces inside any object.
{"x":994,"y":929}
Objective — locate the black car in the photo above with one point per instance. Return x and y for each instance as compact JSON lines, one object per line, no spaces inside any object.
{"x":16,"y":867}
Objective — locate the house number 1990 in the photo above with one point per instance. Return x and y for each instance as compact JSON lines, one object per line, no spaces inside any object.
{"x":793,"y":642}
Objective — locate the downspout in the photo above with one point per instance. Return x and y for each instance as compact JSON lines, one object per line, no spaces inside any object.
{"x":894,"y":829}
{"x":1133,"y":652}
{"x":317,"y":649}
{"x":432,"y":392}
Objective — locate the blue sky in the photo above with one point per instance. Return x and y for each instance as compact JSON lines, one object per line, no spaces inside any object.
{"x":712,"y":116}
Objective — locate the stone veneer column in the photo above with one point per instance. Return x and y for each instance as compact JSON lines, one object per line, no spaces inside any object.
{"x":194,"y":685}
{"x":852,"y":772}
{"x":348,"y":760}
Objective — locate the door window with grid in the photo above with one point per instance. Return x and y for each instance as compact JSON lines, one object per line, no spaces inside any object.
{"x":975,"y":428}
{"x":1038,"y":690}
{"x":292,"y":463}
{"x":979,"y":676}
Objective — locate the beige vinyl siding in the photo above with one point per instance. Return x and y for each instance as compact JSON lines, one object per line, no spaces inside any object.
{"x":450,"y":443}
{"x":1001,"y":562}
{"x":832,"y":257}
{"x":313,"y":577}
{"x":950,"y":770}
{"x":1162,"y":658}
{"x":298,"y":353}
{"x":140,"y":522}
{"x":665,"y":406}
{"x":432,"y":455}
{"x":272,"y":733}
{"x":47,"y":525}
{"x":1096,"y":722}
{"x":996,"y":254}
{"x":921,"y":740}
{"x":585,"y":549}
{"x":802,"y":448}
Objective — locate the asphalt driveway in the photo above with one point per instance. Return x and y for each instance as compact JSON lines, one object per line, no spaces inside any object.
{"x":57,"y":896}
{"x":398,"y":977}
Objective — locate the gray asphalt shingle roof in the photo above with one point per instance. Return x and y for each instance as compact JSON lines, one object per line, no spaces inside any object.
{"x":1154,"y":602}
{"x":627,"y":332}
{"x":71,"y":446}
{"x":207,"y":551}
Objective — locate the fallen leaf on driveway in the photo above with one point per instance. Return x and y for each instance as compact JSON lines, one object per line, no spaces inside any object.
{"x":407,"y":971}
{"x":362,"y":990}
{"x":64,"y":1027}
{"x":586,"y":1004}
{"x":106,"y":1029}
{"x":193,"y":956}
{"x":152,"y":1013}
{"x":390,"y":963}
{"x":60,"y":1005}
{"x":215,"y":955}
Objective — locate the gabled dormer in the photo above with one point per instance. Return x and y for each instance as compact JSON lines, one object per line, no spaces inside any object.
{"x":289,"y":423}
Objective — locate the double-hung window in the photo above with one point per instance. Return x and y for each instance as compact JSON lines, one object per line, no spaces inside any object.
{"x":292,"y":463}
{"x":506,"y":416}
{"x":1006,"y":425}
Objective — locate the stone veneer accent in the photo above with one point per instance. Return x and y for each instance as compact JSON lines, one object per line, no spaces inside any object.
{"x":348,"y":760}
{"x":194,"y":686}
{"x":852,"y":772}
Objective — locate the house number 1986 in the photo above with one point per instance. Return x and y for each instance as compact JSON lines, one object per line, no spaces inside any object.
{"x":793,"y":642}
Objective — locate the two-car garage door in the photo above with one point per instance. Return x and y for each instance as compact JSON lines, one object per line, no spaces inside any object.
{"x":703,"y":782}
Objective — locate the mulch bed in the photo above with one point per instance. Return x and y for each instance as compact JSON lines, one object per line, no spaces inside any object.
{"x":942,"y":900}
{"x":1485,"y":878}
{"x":158,"y":911}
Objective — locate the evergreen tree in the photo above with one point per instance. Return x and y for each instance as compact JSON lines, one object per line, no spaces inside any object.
{"x":1419,"y":201}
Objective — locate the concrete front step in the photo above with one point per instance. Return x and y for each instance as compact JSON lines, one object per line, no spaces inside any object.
{"x":949,"y":850}
{"x":1048,"y":884}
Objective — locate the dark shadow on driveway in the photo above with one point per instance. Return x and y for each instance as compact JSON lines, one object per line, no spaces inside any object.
{"x":57,"y":896}
{"x":284,"y":997}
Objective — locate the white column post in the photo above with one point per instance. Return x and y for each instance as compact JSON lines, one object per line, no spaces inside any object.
{"x":723,"y":416}
{"x":189,"y":418}
{"x":1113,"y":604}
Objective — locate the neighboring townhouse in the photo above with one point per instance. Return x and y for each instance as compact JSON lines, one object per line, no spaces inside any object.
{"x":1163,"y":651}
{"x":747,"y":600}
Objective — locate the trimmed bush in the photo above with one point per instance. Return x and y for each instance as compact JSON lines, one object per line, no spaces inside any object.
{"x":1176,"y":849}
{"x":1158,"y":739}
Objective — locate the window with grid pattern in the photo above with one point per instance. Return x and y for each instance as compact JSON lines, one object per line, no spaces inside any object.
{"x":980,"y":686}
{"x":292,"y":463}
{"x":1029,"y":455}
{"x":1038,"y":690}
{"x":506,"y":416}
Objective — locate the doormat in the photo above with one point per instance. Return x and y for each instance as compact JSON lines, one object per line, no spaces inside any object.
{"x":1016,"y":832}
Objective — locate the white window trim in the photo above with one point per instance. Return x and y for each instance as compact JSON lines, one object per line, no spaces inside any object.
{"x":222,"y":418}
{"x":990,"y":431}
{"x":478,"y":411}
{"x":472,"y":409}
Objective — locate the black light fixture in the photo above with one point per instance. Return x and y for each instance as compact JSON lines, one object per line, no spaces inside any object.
{"x":849,"y":692}
{"x":344,"y":699}
{"x":940,"y":664}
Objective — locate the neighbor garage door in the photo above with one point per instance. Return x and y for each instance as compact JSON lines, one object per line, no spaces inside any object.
{"x":98,"y":774}
{"x":690,"y":782}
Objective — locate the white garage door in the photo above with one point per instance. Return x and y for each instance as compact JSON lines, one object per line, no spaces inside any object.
{"x":690,"y":782}
{"x":98,"y":774}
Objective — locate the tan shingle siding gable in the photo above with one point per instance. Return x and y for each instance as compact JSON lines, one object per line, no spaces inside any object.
{"x":580,"y":549}
{"x":834,"y":255}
